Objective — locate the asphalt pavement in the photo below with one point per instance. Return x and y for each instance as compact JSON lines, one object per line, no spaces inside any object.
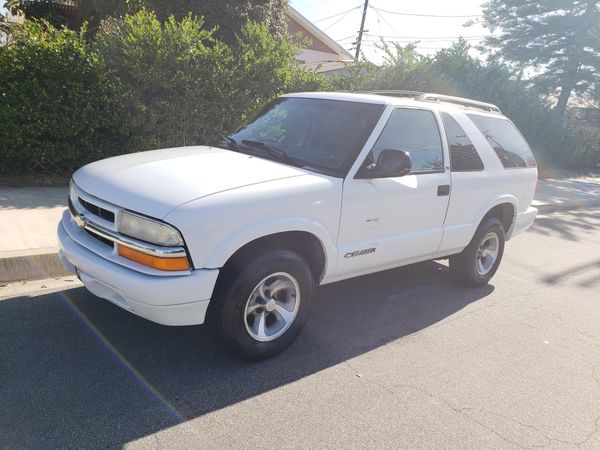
{"x":400,"y":359}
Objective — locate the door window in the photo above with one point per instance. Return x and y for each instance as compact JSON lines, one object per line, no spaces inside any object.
{"x":415,"y":131}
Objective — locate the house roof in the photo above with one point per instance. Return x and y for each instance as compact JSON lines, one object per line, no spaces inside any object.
{"x":324,"y":40}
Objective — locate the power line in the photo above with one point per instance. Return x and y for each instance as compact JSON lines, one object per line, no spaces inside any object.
{"x":345,"y":38}
{"x":336,"y":15}
{"x":419,"y":47}
{"x":381,"y":16}
{"x":337,"y":21}
{"x":432,"y":38}
{"x":444,"y":16}
{"x":314,"y":4}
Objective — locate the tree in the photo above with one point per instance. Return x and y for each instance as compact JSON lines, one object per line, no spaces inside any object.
{"x":560,"y":39}
{"x":39,"y":9}
{"x":229,"y":16}
{"x":180,"y":85}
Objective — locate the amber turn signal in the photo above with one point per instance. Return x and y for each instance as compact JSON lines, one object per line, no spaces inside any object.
{"x":170,"y":264}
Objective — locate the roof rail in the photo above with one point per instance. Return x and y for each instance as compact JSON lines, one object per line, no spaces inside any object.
{"x":429,"y":97}
{"x":393,"y":93}
{"x":458,"y":101}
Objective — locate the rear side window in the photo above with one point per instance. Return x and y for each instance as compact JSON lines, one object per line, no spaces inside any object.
{"x":417,"y":132}
{"x":463,"y":156}
{"x":506,"y":140}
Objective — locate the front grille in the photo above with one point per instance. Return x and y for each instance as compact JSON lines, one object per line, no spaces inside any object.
{"x":100,"y":238}
{"x":98,"y":211}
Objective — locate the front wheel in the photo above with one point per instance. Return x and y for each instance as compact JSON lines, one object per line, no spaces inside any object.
{"x":478,"y":262}
{"x":262,"y":308}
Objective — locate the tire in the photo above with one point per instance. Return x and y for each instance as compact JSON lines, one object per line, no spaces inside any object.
{"x":256,"y":292}
{"x":474,"y":268}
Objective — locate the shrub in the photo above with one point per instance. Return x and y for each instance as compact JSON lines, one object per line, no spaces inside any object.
{"x":56,"y":108}
{"x":181,"y":86}
{"x":169,"y":78}
{"x":556,"y":143}
{"x":140,"y":85}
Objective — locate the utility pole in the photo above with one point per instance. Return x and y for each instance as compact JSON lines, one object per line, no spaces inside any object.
{"x":360,"y":32}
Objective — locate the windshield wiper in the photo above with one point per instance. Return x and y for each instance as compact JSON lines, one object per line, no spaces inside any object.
{"x":271,"y":150}
{"x":232,"y":143}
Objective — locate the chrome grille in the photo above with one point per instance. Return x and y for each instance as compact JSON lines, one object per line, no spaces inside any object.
{"x":97,"y":210}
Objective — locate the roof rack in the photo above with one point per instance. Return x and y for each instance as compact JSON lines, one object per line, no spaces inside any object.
{"x":393,"y":93}
{"x":438,"y":98}
{"x":459,"y":101}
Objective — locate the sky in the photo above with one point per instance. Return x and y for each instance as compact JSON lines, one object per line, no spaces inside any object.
{"x":340,"y":19}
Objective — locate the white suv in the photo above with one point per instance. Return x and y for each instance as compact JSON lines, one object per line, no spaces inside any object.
{"x":319,"y":187}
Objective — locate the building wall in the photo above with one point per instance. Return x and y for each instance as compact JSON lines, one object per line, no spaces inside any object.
{"x":315,"y":44}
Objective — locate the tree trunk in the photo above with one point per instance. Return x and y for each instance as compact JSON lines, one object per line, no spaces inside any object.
{"x":561,"y":105}
{"x":569,"y":80}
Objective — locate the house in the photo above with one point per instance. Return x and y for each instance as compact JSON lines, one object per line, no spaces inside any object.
{"x":323,"y":54}
{"x":7,"y":20}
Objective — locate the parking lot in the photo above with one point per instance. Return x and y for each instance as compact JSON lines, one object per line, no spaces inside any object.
{"x":403,"y":358}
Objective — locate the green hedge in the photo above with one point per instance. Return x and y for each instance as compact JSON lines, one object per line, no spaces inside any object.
{"x":140,"y":85}
{"x":56,"y":102}
{"x":143,"y":84}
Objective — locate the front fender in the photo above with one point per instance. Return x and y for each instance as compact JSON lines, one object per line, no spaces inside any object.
{"x":215,"y":227}
{"x":240,"y":237}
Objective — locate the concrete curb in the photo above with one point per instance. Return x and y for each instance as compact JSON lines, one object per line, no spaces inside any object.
{"x":31,"y":267}
{"x":46,"y":264}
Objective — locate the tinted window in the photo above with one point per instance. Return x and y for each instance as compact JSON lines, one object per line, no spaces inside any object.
{"x":416,"y":131}
{"x":463,"y":156}
{"x":506,"y":140}
{"x":323,"y":135}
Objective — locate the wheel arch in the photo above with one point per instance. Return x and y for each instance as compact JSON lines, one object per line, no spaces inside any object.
{"x":504,"y":208}
{"x":505,"y":213}
{"x":307,"y":238}
{"x":304,"y":244}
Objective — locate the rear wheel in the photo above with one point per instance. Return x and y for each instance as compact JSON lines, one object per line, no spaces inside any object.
{"x":261,"y":309}
{"x":478,"y":262}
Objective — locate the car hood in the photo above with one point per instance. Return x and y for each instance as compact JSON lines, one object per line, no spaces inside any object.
{"x":156,"y":182}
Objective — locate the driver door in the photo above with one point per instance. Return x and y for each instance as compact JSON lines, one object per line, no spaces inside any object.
{"x":392,"y":221}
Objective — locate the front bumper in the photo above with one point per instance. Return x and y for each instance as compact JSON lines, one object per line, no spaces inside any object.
{"x":168,"y":300}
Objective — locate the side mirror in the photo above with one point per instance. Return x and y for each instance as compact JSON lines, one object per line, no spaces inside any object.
{"x":390,"y":164}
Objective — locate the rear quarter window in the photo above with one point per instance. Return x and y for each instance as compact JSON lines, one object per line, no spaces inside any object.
{"x":463,"y":155}
{"x":506,"y":140}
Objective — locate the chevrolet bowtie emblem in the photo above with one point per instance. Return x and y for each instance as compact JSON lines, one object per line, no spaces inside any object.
{"x":80,"y":221}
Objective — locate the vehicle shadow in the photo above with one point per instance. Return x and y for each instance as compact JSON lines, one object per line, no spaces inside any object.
{"x":77,"y":371}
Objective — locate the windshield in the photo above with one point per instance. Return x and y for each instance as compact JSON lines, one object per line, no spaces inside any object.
{"x":322,"y":135}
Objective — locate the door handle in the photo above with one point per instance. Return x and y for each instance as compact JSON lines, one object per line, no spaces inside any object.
{"x":443,"y":189}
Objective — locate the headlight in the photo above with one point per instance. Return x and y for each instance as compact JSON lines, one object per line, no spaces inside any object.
{"x":149,"y":230}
